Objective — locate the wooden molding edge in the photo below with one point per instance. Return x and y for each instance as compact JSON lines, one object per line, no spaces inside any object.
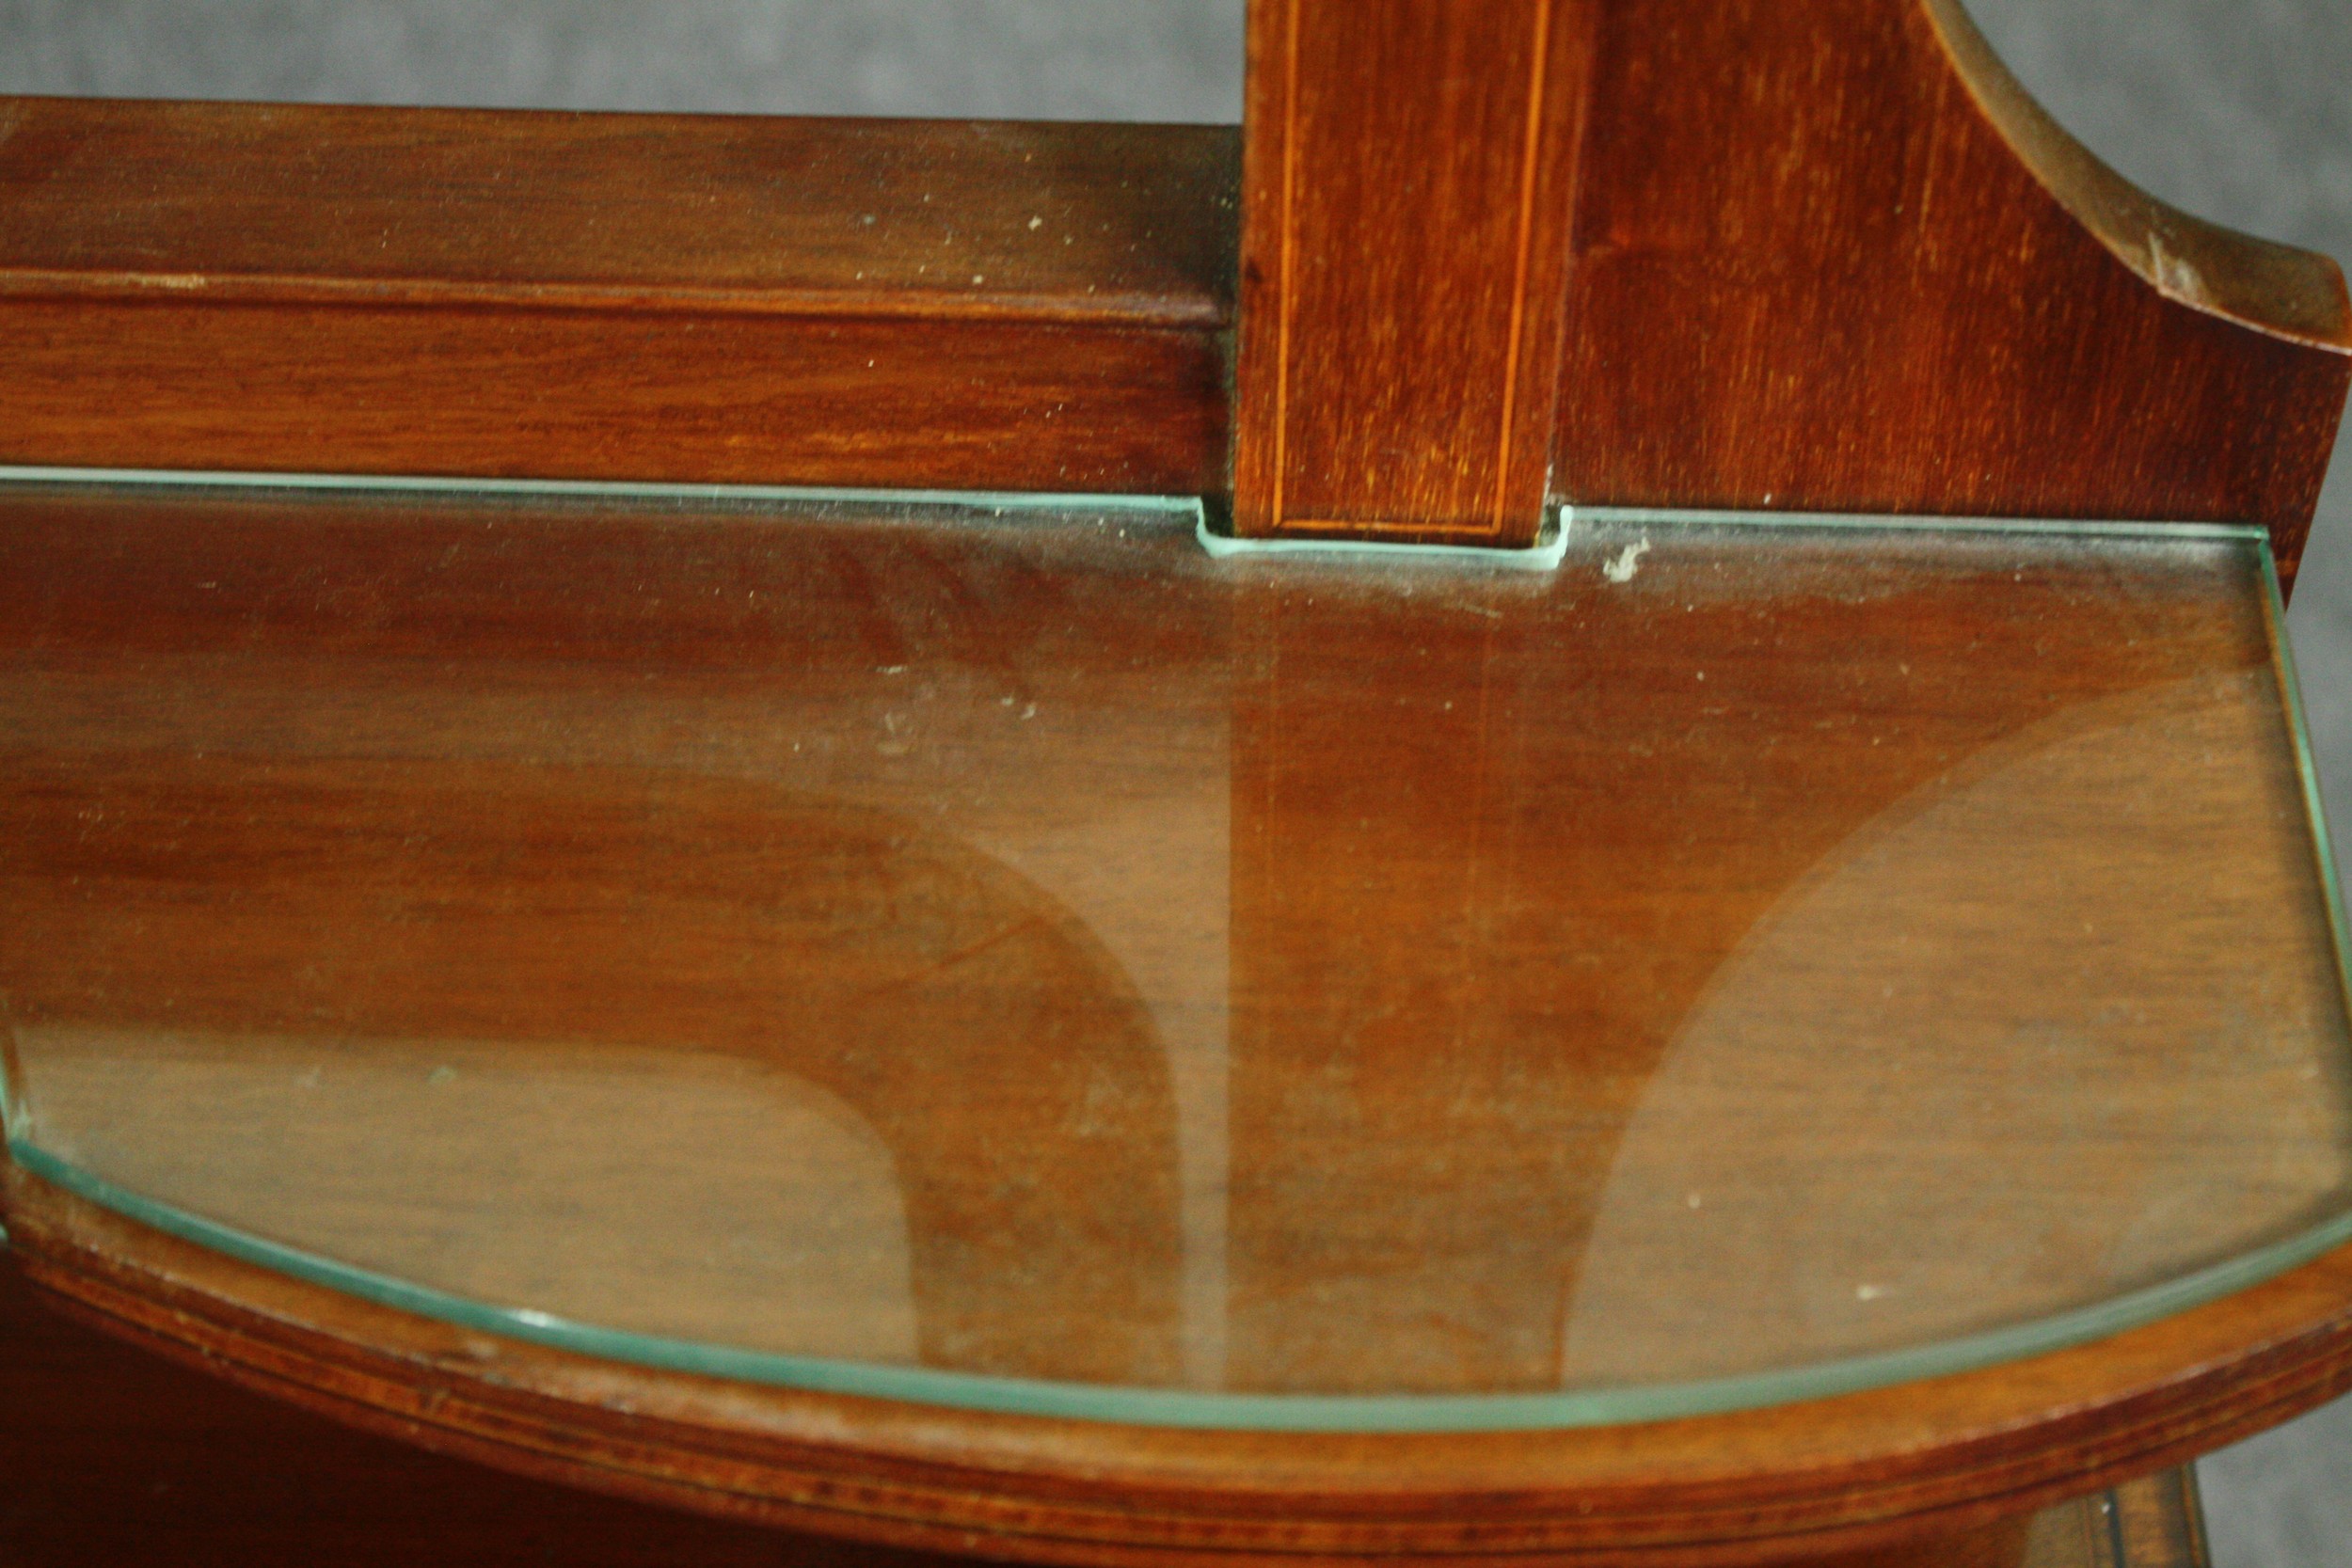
{"x":2288,"y":292}
{"x":604,"y":296}
{"x":1939,"y":1458}
{"x":1829,"y":258}
{"x":106,"y":1442}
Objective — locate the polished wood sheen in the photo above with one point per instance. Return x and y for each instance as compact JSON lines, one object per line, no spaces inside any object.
{"x":363,"y":805}
{"x":1814,"y":257}
{"x":1319,"y":988}
{"x":1407,"y":199}
{"x":117,"y":1456}
{"x":1830,"y":257}
{"x":615,"y":296}
{"x":1818,"y":258}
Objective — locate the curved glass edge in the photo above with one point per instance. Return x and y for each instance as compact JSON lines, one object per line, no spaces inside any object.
{"x":1128,"y":1405}
{"x":1197,"y":1409}
{"x":2306,"y":764}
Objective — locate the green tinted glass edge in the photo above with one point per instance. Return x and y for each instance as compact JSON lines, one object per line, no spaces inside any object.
{"x":1169,"y":1407}
{"x":1905,"y":523}
{"x":1187,"y":507}
{"x":2307,"y":765}
{"x":1255,"y":1412}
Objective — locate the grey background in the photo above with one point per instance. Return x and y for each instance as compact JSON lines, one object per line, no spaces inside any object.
{"x":2239,"y":110}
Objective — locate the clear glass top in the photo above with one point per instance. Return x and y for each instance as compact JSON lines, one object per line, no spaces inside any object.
{"x":1008,"y":955}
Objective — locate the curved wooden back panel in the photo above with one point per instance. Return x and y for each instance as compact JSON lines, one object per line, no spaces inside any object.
{"x":1830,"y":258}
{"x":1814,"y":257}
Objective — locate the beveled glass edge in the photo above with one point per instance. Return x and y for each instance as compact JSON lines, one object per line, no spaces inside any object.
{"x":1303,"y":1413}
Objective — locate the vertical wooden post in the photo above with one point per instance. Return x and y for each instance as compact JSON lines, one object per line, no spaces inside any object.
{"x":1406,"y":197}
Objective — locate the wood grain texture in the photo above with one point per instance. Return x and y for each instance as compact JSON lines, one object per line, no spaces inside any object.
{"x":1407,"y":188}
{"x":615,"y":296}
{"x":119,"y":1456}
{"x":1819,"y":258}
{"x":1073,"y":1493}
{"x":1825,"y":258}
{"x":1829,"y":257}
{"x":355,"y":766}
{"x":727,"y":718}
{"x":1417,"y":856}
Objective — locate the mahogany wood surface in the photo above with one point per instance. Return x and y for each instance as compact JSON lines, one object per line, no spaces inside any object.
{"x":116,"y":1456}
{"x":1821,"y":258}
{"x":1407,"y":179}
{"x":348,"y":765}
{"x":1069,"y":1493}
{"x":1818,"y":257}
{"x":615,"y":296}
{"x":1497,"y":251}
{"x":1830,"y":257}
{"x":752,"y":735}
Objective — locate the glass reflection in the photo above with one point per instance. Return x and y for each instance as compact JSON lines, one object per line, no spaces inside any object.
{"x":1023,"y":945}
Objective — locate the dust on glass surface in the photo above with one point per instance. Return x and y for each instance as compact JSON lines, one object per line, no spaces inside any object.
{"x":1018,"y":946}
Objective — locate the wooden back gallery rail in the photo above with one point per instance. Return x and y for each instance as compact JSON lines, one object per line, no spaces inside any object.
{"x":1492,"y":253}
{"x":1350,"y":990}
